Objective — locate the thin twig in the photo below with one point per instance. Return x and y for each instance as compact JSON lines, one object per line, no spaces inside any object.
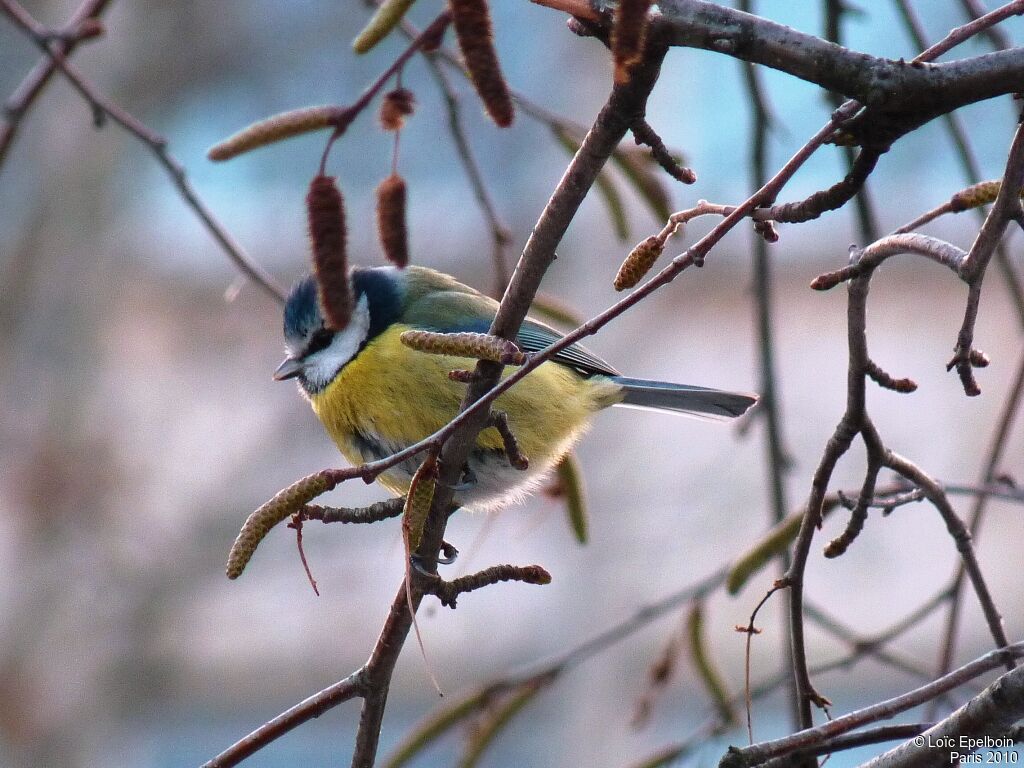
{"x":967,"y":31}
{"x":433,"y":31}
{"x":975,"y":10}
{"x":993,"y":458}
{"x":156,"y":143}
{"x":381,"y":510}
{"x":776,"y":454}
{"x":750,"y":630}
{"x":968,"y":161}
{"x":867,"y":218}
{"x":876,"y":735}
{"x":448,"y":591}
{"x":25,"y":95}
{"x":349,"y":688}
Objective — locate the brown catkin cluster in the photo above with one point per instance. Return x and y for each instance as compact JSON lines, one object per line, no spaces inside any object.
{"x":394,"y":236}
{"x":638,"y":263}
{"x":472,"y":22}
{"x":395,"y":107}
{"x":259,"y":523}
{"x":326,"y":209}
{"x":480,"y":346}
{"x":628,"y":35}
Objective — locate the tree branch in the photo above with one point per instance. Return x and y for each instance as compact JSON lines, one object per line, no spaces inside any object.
{"x":349,"y":688}
{"x":991,"y":713}
{"x":900,"y":95}
{"x":756,"y":754}
{"x":995,"y":454}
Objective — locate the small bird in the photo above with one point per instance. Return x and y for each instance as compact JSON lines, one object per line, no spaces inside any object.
{"x":376,"y":396}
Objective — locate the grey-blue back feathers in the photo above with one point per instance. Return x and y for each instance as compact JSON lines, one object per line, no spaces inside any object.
{"x":684,"y":398}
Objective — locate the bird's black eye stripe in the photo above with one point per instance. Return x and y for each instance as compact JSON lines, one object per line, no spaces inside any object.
{"x":320,"y":339}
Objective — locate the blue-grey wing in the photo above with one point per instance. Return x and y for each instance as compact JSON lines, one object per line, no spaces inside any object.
{"x":535,"y":336}
{"x":447,"y":312}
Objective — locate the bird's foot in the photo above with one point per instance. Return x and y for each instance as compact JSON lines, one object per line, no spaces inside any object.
{"x":447,"y":556}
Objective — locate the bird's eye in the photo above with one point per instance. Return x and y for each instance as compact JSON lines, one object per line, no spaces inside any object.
{"x":319,"y":340}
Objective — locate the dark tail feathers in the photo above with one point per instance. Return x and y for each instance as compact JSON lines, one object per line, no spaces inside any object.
{"x":683,"y":398}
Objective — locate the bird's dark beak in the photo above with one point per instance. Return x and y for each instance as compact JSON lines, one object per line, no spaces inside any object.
{"x":290,"y":368}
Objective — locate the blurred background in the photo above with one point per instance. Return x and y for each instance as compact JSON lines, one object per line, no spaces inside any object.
{"x":140,"y":425}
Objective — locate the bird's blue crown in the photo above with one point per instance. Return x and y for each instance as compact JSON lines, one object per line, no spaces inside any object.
{"x":380,"y":285}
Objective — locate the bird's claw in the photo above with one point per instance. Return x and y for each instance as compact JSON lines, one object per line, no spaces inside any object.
{"x":417,"y":565}
{"x":447,"y":556}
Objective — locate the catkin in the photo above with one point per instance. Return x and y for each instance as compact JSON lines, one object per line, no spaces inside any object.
{"x":570,"y":487}
{"x":472,"y":22}
{"x":628,"y":33}
{"x":259,"y":523}
{"x":395,"y":107}
{"x":481,"y":346}
{"x":327,"y":234}
{"x":982,"y":193}
{"x":394,"y":236}
{"x":418,"y":501}
{"x":638,"y":263}
{"x":700,"y":656}
{"x":387,"y":17}
{"x":276,"y":128}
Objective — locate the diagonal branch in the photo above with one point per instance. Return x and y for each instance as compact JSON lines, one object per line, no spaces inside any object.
{"x":992,"y":713}
{"x":349,"y":688}
{"x":994,"y":457}
{"x":757,"y":754}
{"x":959,"y":137}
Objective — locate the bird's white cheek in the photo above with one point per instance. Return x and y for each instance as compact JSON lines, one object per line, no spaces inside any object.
{"x":322,"y":367}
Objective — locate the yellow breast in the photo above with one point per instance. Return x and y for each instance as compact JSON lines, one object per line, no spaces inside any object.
{"x":396,"y":396}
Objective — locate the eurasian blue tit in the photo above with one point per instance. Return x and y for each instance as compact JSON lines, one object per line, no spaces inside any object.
{"x":376,"y":396}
